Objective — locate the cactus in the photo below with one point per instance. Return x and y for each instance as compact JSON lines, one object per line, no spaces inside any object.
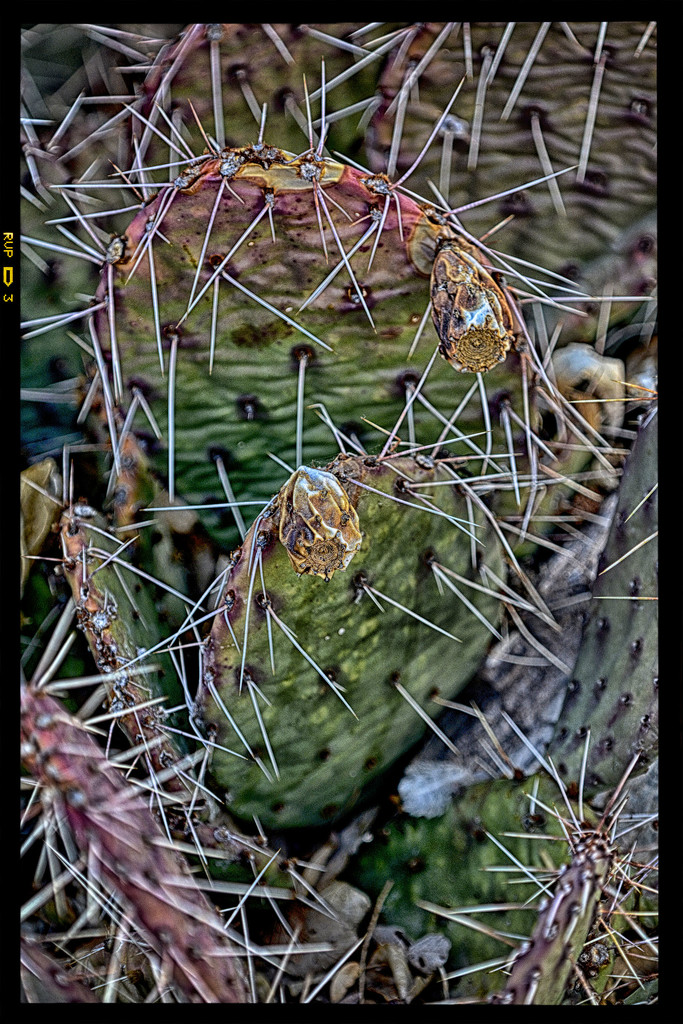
{"x":268,"y":313}
{"x":268,"y":377}
{"x":540,"y":972}
{"x":615,"y":680}
{"x":514,"y":877}
{"x":463,"y":840}
{"x":409,"y":638}
{"x":128,"y":844}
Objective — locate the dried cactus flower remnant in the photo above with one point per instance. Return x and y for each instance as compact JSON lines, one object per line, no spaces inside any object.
{"x":471,"y":313}
{"x":318,"y":524}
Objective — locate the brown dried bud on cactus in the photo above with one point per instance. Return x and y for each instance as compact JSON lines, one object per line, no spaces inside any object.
{"x":318,"y":524}
{"x":471,"y":313}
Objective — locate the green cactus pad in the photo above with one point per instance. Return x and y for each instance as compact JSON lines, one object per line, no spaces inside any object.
{"x":614,"y":686}
{"x":535,"y":110}
{"x":449,"y":863}
{"x":326,"y":753}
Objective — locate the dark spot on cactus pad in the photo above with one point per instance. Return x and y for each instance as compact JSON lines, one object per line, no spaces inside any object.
{"x":595,"y":183}
{"x":250,"y":675}
{"x":352,"y":299}
{"x":645,"y":244}
{"x":329,"y":811}
{"x":619,"y":521}
{"x":281,"y":97}
{"x":573,"y":790}
{"x":300,"y":352}
{"x":370,"y":764}
{"x":533,"y":822}
{"x":353,"y":429}
{"x":600,"y":685}
{"x":277,"y":807}
{"x":415,"y":866}
{"x":249,"y":336}
{"x":170,"y":333}
{"x":218,"y":451}
{"x":645,"y":285}
{"x":324,"y":754}
{"x":405,"y":380}
{"x":148,"y":442}
{"x":250,"y":408}
{"x":518,"y":205}
{"x":634,"y":586}
{"x":570,"y":270}
{"x":497,"y":400}
{"x":619,"y":709}
{"x":145,"y":387}
{"x":603,"y":627}
{"x":57,"y":368}
{"x":636,"y":648}
{"x":476,"y":831}
{"x":527,"y":113}
{"x":358,"y":583}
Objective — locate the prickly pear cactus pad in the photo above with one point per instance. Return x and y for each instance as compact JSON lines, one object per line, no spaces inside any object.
{"x":338,"y":351}
{"x":614,"y":687}
{"x":288,"y":295}
{"x":441,"y":891}
{"x":317,"y":674}
{"x":603,"y":89}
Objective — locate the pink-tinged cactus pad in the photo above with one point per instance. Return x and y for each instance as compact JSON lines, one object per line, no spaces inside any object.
{"x":240,"y":306}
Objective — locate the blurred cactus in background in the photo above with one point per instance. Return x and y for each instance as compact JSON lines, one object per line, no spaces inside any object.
{"x":339,"y":342}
